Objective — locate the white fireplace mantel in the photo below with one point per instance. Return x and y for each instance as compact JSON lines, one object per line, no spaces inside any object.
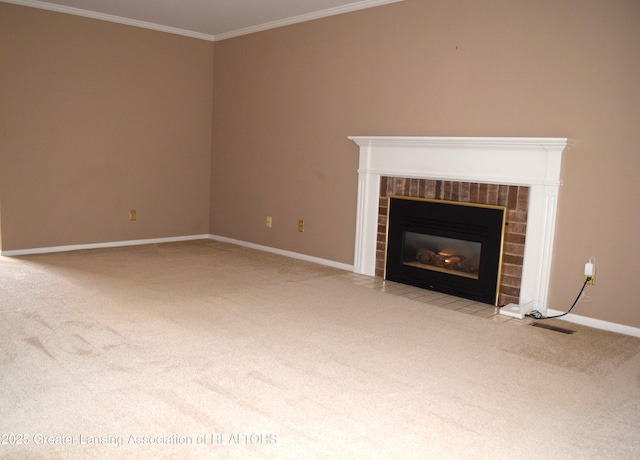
{"x":532,"y":162}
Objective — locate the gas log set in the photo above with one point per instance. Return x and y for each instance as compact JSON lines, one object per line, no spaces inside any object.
{"x":449,"y":259}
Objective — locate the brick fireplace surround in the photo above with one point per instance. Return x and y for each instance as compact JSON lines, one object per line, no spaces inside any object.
{"x":511,"y":170}
{"x":515,"y":198}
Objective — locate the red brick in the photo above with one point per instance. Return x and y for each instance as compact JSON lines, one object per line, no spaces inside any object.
{"x":474,"y":189}
{"x":511,"y":270}
{"x":503,"y":195}
{"x":455,"y":191}
{"x":510,"y":291}
{"x":483,"y":194}
{"x":523,"y":199}
{"x":465,"y":192}
{"x":492,"y":194}
{"x":422,"y":186}
{"x":512,"y":259}
{"x":513,"y":281}
{"x":383,"y":186}
{"x":430,"y":189}
{"x":397,"y":186}
{"x":514,"y":238}
{"x":512,"y":201}
{"x":446,"y":190}
{"x":517,"y":216}
{"x":517,"y":227}
{"x":515,"y":249}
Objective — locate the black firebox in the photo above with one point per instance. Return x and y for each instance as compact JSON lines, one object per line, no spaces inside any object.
{"x":446,"y":246}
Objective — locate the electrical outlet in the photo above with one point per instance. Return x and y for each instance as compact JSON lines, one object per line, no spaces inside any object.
{"x":301,"y":225}
{"x":590,"y":272}
{"x":132,"y":215}
{"x":269,"y":222}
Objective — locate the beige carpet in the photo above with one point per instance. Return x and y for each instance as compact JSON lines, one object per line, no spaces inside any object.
{"x":208,"y":350}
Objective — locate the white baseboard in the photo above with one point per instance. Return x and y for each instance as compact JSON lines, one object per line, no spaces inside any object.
{"x":597,"y":323}
{"x":282,"y":252}
{"x":112,"y":244}
{"x":115,"y":244}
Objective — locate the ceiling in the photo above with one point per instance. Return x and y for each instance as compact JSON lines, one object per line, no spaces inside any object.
{"x":205,"y":19}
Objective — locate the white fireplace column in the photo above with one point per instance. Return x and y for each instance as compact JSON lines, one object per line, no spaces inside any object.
{"x":531,"y":162}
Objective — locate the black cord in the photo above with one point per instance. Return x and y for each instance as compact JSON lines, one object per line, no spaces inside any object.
{"x":537,"y":315}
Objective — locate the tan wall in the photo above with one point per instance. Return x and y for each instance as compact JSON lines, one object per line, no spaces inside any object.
{"x":98,"y":118}
{"x":285,"y":100}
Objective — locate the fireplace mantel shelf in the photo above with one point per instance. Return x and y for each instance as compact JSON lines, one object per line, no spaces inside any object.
{"x":473,"y":142}
{"x":527,"y":161}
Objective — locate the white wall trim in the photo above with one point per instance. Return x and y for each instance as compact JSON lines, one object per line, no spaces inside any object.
{"x":199,"y":35}
{"x":597,"y":323}
{"x":112,"y":244}
{"x":282,"y":252}
{"x":306,"y":17}
{"x":207,"y":236}
{"x":110,"y":18}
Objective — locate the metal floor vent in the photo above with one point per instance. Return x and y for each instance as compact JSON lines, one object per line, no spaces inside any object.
{"x":553,"y":328}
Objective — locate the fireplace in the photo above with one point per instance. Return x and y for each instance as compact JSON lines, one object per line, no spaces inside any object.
{"x":451,"y":247}
{"x":514,"y":199}
{"x":500,"y":162}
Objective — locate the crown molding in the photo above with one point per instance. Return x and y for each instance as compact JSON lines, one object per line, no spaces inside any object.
{"x":198,"y":35}
{"x":305,"y":17}
{"x":110,"y":18}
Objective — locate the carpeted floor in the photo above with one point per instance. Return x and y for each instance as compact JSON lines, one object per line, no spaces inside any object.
{"x":208,"y":350}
